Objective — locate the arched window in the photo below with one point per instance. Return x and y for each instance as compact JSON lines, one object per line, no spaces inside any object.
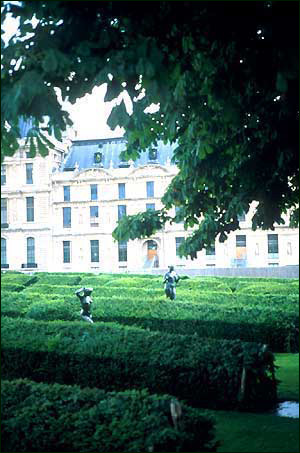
{"x":3,"y":252}
{"x":30,"y":251}
{"x":151,"y":245}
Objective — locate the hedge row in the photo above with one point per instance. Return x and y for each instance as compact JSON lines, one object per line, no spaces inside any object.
{"x":205,"y":372}
{"x":263,"y":288}
{"x":275,"y":325}
{"x":183,"y":294}
{"x":48,"y":279}
{"x":224,"y":284}
{"x":286,"y":302}
{"x":19,"y":304}
{"x":19,"y":284}
{"x":236,"y":283}
{"x":15,"y":278}
{"x":60,"y":418}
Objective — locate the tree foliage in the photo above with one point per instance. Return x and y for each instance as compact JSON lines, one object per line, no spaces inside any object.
{"x":225,"y":75}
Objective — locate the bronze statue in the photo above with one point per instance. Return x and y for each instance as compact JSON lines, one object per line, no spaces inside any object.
{"x":170,"y":280}
{"x":84,"y":295}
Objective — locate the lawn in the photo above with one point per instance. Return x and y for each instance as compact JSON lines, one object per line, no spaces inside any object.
{"x":288,"y":374}
{"x":259,"y":433}
{"x":263,"y":433}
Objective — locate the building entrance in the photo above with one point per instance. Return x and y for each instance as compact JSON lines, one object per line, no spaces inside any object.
{"x":152,"y":254}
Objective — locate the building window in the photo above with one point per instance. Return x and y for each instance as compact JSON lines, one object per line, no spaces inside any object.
{"x":30,"y":209}
{"x":121,"y":211}
{"x":241,"y":251}
{"x":241,"y":217}
{"x":29,"y":168}
{"x":289,"y":248}
{"x":3,"y":211}
{"x":124,"y":164}
{"x":98,"y":157}
{"x":273,"y":245}
{"x":94,"y":192}
{"x":94,"y":215}
{"x":3,"y":175}
{"x":67,"y":195}
{"x":152,"y":154}
{"x":122,"y":194}
{"x":95,"y":251}
{"x":178,"y":241}
{"x":66,"y":251}
{"x":150,"y":206}
{"x":30,"y":251}
{"x":3,"y":252}
{"x":122,"y":248}
{"x":67,"y":217}
{"x":150,"y":189}
{"x":240,"y":240}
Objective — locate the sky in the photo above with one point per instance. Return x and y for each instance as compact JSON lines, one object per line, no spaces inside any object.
{"x":89,"y":114}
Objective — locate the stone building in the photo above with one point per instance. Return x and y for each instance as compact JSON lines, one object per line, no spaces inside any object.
{"x":58,"y":214}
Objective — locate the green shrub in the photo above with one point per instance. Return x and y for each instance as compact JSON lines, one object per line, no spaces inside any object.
{"x":12,"y":287}
{"x":205,"y":372}
{"x":268,"y":288}
{"x":16,"y":278}
{"x":132,"y":281}
{"x":227,"y":318}
{"x":15,"y":303}
{"x":43,"y":418}
{"x":50,"y":311}
{"x":59,"y":279}
{"x":207,"y":306}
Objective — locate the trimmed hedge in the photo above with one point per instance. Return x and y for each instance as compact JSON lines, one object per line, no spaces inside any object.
{"x":205,"y":372}
{"x":233,"y":311}
{"x":18,"y":278}
{"x":103,"y":290}
{"x":58,"y":279}
{"x":271,"y":288}
{"x":12,"y":287}
{"x":286,"y":302}
{"x":59,"y":418}
{"x":17,"y":282}
{"x":271,"y":323}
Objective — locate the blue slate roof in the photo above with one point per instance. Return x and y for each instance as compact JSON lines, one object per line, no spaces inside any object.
{"x":82,"y":154}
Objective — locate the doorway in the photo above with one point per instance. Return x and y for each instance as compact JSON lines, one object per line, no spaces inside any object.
{"x":152,"y":254}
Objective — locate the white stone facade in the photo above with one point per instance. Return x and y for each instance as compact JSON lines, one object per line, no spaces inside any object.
{"x":55,"y":243}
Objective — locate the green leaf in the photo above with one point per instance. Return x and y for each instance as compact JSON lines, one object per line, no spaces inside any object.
{"x":113,"y":90}
{"x":104,"y":40}
{"x":32,"y":147}
{"x":281,"y":83}
{"x":50,"y":63}
{"x":118,"y":116}
{"x":149,"y":70}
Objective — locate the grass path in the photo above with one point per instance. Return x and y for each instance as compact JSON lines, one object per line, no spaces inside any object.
{"x":263,"y":433}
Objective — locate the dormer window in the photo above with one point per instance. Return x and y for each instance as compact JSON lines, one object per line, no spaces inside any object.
{"x":152,"y":154}
{"x":124,"y":164}
{"x":98,"y":158}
